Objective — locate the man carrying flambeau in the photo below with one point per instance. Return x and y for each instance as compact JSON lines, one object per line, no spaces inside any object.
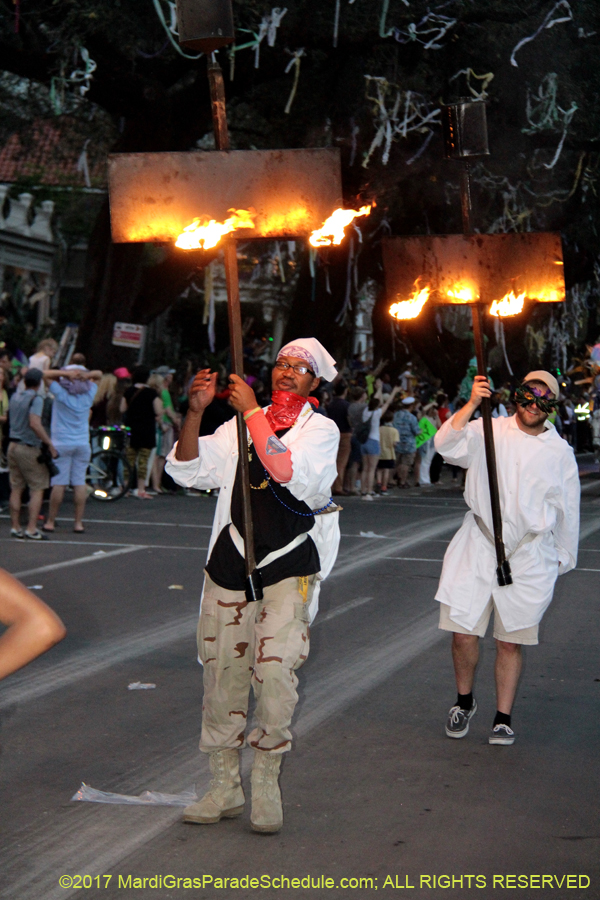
{"x":292,"y":461}
{"x":539,"y":500}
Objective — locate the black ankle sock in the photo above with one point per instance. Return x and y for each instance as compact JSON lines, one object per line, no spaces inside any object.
{"x":465,"y":701}
{"x":501,"y":719}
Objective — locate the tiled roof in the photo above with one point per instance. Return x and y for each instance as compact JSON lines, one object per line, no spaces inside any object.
{"x":48,"y":151}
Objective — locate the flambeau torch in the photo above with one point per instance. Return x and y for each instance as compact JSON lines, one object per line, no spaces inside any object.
{"x":200,"y":199}
{"x":499,"y":271}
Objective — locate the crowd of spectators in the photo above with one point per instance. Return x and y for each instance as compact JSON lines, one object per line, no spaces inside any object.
{"x":387,"y":423}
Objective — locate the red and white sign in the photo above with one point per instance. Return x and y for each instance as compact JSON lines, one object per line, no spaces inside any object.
{"x":127,"y":335}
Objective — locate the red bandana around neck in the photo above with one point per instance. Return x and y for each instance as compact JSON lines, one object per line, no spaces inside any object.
{"x":285,"y":409}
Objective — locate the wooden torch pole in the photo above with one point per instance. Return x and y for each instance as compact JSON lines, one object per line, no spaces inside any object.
{"x":217,"y":97}
{"x":503,"y":566}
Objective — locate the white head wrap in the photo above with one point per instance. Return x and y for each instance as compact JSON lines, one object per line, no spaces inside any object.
{"x":315,"y":354}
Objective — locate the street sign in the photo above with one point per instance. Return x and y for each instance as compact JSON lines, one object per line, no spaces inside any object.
{"x":127,"y":335}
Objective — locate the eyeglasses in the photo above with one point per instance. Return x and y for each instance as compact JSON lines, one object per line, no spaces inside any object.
{"x":299,"y":370}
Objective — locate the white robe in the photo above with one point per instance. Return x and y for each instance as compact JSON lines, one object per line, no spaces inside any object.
{"x":539,"y":494}
{"x":313,"y":442}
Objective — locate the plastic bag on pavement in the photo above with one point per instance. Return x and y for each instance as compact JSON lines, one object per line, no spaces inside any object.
{"x":146,"y":798}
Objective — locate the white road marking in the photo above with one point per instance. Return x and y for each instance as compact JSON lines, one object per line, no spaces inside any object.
{"x":414,"y":558}
{"x":408,"y":536}
{"x":95,"y":659}
{"x":129,"y":522}
{"x":79,"y":561}
{"x":340,"y":610}
{"x":81,"y":664}
{"x":111,"y":544}
{"x":590,"y":528}
{"x":94,"y":838}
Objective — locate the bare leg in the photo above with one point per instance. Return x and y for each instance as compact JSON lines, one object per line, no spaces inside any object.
{"x":157,"y":471}
{"x":509,"y":661}
{"x":57,"y":495}
{"x":417,"y":469}
{"x":15,"y":508}
{"x":369,"y":465}
{"x":35,"y":504}
{"x":465,"y":656}
{"x":80,"y":496}
{"x":402,"y":471}
{"x":351,"y":477}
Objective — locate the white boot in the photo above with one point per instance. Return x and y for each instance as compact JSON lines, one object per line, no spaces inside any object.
{"x":225,"y":797}
{"x":267,"y":813}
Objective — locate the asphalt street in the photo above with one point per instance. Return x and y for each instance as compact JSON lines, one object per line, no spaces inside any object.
{"x":372,"y":790}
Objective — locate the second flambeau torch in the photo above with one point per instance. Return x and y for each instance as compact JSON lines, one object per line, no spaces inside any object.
{"x":199,"y":199}
{"x":501,"y":271}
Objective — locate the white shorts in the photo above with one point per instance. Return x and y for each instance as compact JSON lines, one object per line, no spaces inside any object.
{"x":72,"y":463}
{"x":521,"y":636}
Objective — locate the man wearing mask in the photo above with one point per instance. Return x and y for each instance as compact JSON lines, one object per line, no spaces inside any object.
{"x":539,"y":500}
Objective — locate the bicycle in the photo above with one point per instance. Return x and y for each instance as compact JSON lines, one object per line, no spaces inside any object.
{"x":109,"y":475}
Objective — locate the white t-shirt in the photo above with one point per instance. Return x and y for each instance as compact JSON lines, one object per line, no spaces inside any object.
{"x":374,"y":417}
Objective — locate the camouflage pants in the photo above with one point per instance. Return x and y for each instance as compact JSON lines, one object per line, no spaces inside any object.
{"x":259,"y":644}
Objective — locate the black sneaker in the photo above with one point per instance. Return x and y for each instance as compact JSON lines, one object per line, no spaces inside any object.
{"x":501,"y":734}
{"x":457,"y":725}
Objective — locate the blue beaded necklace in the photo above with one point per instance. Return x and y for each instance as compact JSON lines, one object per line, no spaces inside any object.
{"x":314,"y":512}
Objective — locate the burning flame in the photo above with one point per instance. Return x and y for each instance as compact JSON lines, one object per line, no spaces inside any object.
{"x":410,"y":309}
{"x":549,"y":295}
{"x":461,"y":293}
{"x":510,"y":305}
{"x":332,"y":230}
{"x":204,"y":233}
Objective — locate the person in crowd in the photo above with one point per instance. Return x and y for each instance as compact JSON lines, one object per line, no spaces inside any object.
{"x":443,"y":412}
{"x":386,"y":384}
{"x":388,"y":438}
{"x":165,"y":430}
{"x":498,"y":407}
{"x":27,"y":434}
{"x":219,"y":410}
{"x":358,"y":402}
{"x":443,"y":407}
{"x":408,"y":380}
{"x":539,"y":499}
{"x":292,"y":460}
{"x":428,"y":421}
{"x":31,"y":626}
{"x":4,"y":401}
{"x":73,"y":389}
{"x":407,"y":426}
{"x":6,"y":366}
{"x":44,"y":354}
{"x":338,"y":412}
{"x":370,"y":445}
{"x":142,"y":408}
{"x":106,"y":390}
{"x":321,"y":401}
{"x":114,"y":414}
